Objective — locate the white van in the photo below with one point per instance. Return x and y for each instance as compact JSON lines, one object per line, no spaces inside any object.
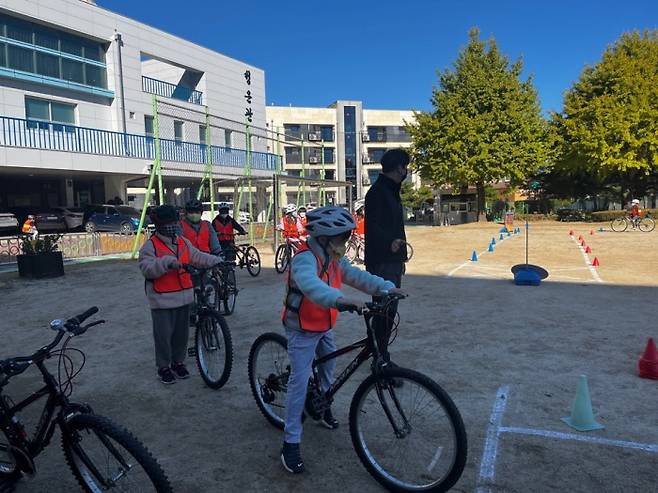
{"x":207,"y":215}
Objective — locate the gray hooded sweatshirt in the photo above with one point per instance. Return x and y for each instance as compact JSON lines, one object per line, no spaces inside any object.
{"x":153,"y":267}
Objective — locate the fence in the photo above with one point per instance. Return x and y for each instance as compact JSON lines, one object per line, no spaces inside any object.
{"x":168,"y":90}
{"x":74,"y":245}
{"x":33,"y":134}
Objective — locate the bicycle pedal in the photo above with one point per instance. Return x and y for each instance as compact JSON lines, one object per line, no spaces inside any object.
{"x":191,"y":352}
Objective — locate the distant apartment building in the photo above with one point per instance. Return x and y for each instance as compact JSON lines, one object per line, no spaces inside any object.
{"x":76,"y":106}
{"x":343,"y":142}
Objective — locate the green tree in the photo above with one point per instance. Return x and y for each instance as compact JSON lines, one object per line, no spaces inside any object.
{"x":415,"y":199}
{"x":609,"y":123}
{"x":485,"y":124}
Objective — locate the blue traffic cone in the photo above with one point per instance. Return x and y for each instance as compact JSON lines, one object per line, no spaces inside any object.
{"x":493,"y":241}
{"x":501,"y":237}
{"x":491,"y":249}
{"x":509,"y":234}
{"x":474,"y":257}
{"x":503,"y":229}
{"x":582,"y":417}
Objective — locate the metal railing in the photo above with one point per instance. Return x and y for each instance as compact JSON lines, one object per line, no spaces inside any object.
{"x":169,"y":90}
{"x":386,"y":137}
{"x":33,"y":134}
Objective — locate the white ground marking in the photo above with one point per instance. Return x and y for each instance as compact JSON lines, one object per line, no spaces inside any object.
{"x":591,"y":268}
{"x":461,"y":266}
{"x":488,"y":464}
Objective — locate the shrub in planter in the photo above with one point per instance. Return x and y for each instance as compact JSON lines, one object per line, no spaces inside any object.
{"x":41,"y":258}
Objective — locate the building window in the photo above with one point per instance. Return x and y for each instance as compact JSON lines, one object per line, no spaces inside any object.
{"x":292,"y":131}
{"x":35,"y":49}
{"x":202,"y":134}
{"x":178,"y":130}
{"x":43,"y":114}
{"x":228,"y":138}
{"x":328,"y":155}
{"x":375,"y":154}
{"x":349,"y":119}
{"x":148,"y":126}
{"x":293,"y":155}
{"x":327,"y":132}
{"x":373,"y":174}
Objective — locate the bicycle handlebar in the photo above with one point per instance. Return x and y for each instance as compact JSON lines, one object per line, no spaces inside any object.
{"x":372,"y":306}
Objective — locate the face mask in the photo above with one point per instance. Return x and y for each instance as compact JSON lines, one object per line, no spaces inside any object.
{"x":302,"y":214}
{"x":171,"y":230}
{"x":224,"y":215}
{"x":337,"y":248}
{"x":194,"y":217}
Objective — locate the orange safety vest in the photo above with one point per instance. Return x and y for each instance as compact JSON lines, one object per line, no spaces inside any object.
{"x":27,"y":225}
{"x":224,"y":231}
{"x":313,"y":317}
{"x":290,"y":229}
{"x":303,"y":221}
{"x":174,"y":280}
{"x":360,"y":225}
{"x":201,"y":239}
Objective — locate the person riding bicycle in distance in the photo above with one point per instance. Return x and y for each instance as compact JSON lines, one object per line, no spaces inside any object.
{"x":313,"y":294}
{"x":289,"y":225}
{"x":636,"y":211}
{"x":360,"y":218}
{"x":226,"y":227}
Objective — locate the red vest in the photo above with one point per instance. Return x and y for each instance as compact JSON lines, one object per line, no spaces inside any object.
{"x":174,"y":280}
{"x":200,"y":240}
{"x":313,"y":317}
{"x":224,"y":231}
{"x":290,"y":228}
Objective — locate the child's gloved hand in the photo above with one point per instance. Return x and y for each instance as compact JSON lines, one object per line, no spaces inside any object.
{"x":398,"y":291}
{"x":351,"y":304}
{"x":174,"y":264}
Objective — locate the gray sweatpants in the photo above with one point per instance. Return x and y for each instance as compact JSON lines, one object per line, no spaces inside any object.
{"x":171,"y":328}
{"x":302,"y":348}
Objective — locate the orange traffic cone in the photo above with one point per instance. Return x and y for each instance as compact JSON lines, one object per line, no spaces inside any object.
{"x":582,"y":243}
{"x":648,"y":364}
{"x":595,"y":263}
{"x":580,"y":238}
{"x":588,"y":250}
{"x":591,"y":232}
{"x":571,"y":232}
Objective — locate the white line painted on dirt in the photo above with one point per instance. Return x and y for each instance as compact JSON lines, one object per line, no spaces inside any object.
{"x":591,"y":268}
{"x":488,"y":464}
{"x":461,"y":266}
{"x":646,"y":447}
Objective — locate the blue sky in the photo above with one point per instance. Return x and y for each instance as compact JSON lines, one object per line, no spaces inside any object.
{"x":385,"y":52}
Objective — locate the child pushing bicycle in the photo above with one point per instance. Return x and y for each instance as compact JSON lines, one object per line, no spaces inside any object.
{"x":313,"y":295}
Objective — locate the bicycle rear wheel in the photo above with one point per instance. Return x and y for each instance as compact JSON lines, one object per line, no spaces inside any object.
{"x":428,"y":450}
{"x":281,"y":258}
{"x":619,"y":225}
{"x":253,"y":261}
{"x":230,"y":292}
{"x":269,"y":370}
{"x":647,"y":225}
{"x":8,"y":465}
{"x":104,"y":456}
{"x":214,"y":349}
{"x":352,"y":251}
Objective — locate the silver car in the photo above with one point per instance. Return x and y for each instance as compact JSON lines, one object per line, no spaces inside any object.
{"x":73,"y":216}
{"x":8,"y":223}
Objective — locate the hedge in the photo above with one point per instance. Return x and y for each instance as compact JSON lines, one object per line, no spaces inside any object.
{"x":535,"y":217}
{"x":604,"y":216}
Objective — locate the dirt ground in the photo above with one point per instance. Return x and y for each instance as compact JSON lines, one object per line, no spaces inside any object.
{"x":465,"y":324}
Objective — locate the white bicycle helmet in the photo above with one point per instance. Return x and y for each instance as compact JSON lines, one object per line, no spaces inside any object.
{"x":291,"y":208}
{"x":359,"y":204}
{"x":635,"y":201}
{"x":329,"y":221}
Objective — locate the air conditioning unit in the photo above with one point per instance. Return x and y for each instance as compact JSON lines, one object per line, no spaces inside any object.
{"x":365,"y":137}
{"x":313,"y":160}
{"x":315,"y":137}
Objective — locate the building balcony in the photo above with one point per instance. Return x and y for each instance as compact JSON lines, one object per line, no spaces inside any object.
{"x":173,"y":91}
{"x":51,"y":136}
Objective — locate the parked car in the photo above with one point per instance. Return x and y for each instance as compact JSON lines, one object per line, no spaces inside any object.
{"x":8,"y":223}
{"x":105,"y":217}
{"x":49,"y":220}
{"x":73,"y":216}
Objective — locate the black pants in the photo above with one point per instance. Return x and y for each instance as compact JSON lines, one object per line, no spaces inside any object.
{"x":390,"y":271}
{"x":228,"y":248}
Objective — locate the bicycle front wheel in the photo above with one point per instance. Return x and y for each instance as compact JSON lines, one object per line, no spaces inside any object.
{"x":104,"y":456}
{"x":352,"y":251}
{"x":281,"y":258}
{"x":230,"y":292}
{"x":214,"y":349}
{"x":647,"y":225}
{"x":407,"y":432}
{"x":619,"y":225}
{"x":253,"y":261}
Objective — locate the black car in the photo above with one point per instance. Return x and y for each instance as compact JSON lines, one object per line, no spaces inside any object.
{"x":106,"y":217}
{"x":49,"y":220}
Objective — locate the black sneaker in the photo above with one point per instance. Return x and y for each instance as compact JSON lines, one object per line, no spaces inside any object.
{"x":328,"y":420}
{"x":166,"y":376}
{"x":291,"y":458}
{"x":180,"y":371}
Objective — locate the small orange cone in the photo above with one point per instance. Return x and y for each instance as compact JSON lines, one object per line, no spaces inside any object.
{"x":580,"y":238}
{"x":648,"y":364}
{"x":588,"y":250}
{"x":591,"y":232}
{"x":582,"y":243}
{"x":571,"y":232}
{"x":595,"y":263}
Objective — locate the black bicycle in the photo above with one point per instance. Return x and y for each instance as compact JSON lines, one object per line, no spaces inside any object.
{"x":225,"y":288}
{"x":102,"y":455}
{"x":285,"y":252}
{"x":246,"y":256}
{"x":213,"y":346}
{"x":405,"y":429}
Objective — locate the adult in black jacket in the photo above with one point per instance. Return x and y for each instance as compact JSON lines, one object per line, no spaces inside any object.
{"x":386,"y":249}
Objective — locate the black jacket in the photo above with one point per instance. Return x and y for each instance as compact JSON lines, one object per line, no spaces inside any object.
{"x":384,"y":223}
